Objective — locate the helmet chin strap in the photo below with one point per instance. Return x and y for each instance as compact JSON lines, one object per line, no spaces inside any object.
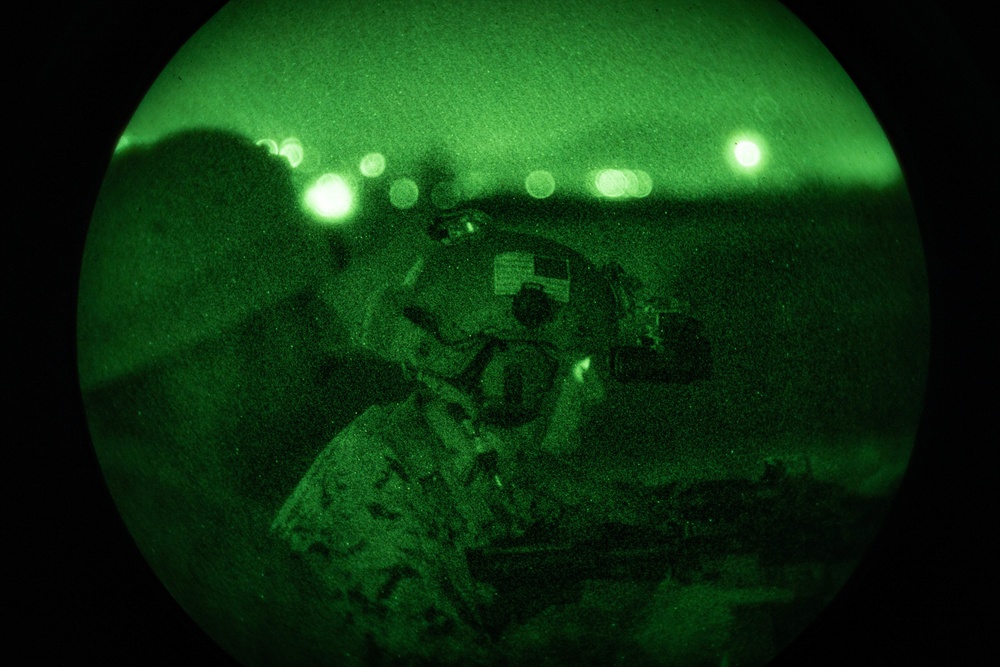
{"x":464,"y":434}
{"x":469,"y":431}
{"x":454,"y":416}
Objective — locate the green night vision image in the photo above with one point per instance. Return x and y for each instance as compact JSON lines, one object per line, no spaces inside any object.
{"x":519,"y":333}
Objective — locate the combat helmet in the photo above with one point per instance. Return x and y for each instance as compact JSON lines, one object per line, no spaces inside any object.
{"x":491,"y":318}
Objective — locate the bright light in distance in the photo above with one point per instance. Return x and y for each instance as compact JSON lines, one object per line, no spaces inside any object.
{"x":540,"y":184}
{"x":403,"y":193}
{"x":270,"y":144}
{"x":372,"y":165}
{"x":639,"y":183}
{"x":580,"y":368}
{"x":620,"y":183}
{"x":747,"y":153}
{"x":330,"y":197}
{"x":611,"y":182}
{"x":291,"y":150}
{"x":645,"y":183}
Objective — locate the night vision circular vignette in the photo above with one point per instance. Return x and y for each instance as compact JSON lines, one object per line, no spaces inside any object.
{"x":563,"y":334}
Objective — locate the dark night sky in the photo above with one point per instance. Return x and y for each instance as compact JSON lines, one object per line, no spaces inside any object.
{"x":569,"y":86}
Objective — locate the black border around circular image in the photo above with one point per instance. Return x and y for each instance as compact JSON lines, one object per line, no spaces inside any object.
{"x":916,"y":595}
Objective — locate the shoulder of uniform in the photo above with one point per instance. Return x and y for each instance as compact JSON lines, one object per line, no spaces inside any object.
{"x":346,"y":470}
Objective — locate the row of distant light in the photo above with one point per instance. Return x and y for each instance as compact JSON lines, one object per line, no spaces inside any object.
{"x":331,"y":197}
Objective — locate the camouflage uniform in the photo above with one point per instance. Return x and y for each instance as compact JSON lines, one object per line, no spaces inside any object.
{"x":385,"y":516}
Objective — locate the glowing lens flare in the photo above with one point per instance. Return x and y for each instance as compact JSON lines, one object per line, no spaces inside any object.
{"x":747,"y":153}
{"x":330,"y":197}
{"x":403,"y":193}
{"x":270,"y":144}
{"x":640,"y":184}
{"x":372,"y":165}
{"x":540,"y":184}
{"x":611,"y":183}
{"x":291,"y":150}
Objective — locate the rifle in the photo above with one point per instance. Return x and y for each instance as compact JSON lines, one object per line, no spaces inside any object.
{"x":688,"y":530}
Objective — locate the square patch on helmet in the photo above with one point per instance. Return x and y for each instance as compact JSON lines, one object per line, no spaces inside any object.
{"x":512,"y":269}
